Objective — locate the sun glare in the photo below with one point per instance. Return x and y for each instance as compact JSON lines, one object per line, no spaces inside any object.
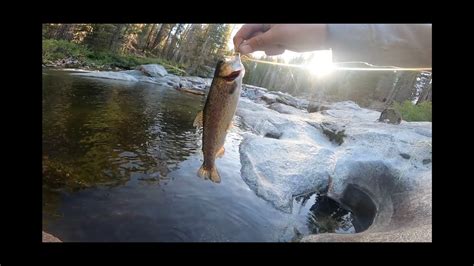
{"x":318,"y":63}
{"x":321,"y":64}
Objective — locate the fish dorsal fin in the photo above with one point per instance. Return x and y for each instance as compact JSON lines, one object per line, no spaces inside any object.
{"x":198,"y":120}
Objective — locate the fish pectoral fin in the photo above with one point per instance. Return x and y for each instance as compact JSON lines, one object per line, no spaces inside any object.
{"x":198,"y":122}
{"x":209,"y":174}
{"x":220,"y":152}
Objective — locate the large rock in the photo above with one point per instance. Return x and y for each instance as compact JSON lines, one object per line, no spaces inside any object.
{"x":300,"y":166}
{"x":196,"y":83}
{"x":153,"y":70}
{"x":290,"y":100}
{"x":252,"y":92}
{"x":264,"y":121}
{"x":284,"y":109}
{"x":390,"y":115}
{"x":205,"y":72}
{"x":186,"y":84}
{"x":290,"y":154}
{"x":259,"y":94}
{"x":135,"y":73}
{"x":269,"y":98}
{"x":334,"y":132}
{"x":134,"y":76}
{"x":314,"y":107}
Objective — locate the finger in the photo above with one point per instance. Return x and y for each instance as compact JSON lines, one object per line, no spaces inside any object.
{"x":260,"y":42}
{"x":274,"y":50}
{"x":245,"y":33}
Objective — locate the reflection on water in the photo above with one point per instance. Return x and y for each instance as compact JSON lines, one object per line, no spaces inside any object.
{"x":327,"y":216}
{"x":98,"y":133}
{"x":120,"y":162}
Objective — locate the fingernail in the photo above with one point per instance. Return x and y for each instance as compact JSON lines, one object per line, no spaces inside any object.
{"x":246,"y":49}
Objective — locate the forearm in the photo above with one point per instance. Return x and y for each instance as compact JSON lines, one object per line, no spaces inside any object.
{"x":402,"y":45}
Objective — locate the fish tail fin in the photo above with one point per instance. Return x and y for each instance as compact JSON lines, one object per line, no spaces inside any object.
{"x":209,"y":174}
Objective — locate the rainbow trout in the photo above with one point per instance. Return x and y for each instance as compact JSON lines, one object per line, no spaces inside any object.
{"x":219,"y":109}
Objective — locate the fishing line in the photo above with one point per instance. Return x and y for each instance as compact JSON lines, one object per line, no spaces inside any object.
{"x":336,"y":67}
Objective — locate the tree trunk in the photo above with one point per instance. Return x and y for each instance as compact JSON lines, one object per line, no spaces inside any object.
{"x":148,"y":39}
{"x":178,"y":54}
{"x":142,"y":39}
{"x":165,"y":43}
{"x":174,"y":41}
{"x":190,"y":40}
{"x":393,"y":91}
{"x":115,"y":41}
{"x":159,"y":36}
{"x":64,"y":32}
{"x":202,"y":53}
{"x":406,"y":86}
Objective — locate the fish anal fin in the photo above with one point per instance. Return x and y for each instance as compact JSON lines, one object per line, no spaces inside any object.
{"x":198,"y":121}
{"x":220,"y":152}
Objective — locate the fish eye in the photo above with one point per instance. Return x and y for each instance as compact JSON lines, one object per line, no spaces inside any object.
{"x":219,"y":64}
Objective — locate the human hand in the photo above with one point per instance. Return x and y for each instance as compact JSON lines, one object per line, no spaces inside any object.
{"x":274,"y":39}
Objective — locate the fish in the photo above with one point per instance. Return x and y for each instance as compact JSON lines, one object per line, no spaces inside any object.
{"x":219,"y":109}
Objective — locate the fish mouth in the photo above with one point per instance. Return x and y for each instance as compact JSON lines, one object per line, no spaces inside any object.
{"x":233,"y":68}
{"x":232,"y":76}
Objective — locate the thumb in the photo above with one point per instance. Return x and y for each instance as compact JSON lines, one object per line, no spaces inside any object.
{"x":257,"y":43}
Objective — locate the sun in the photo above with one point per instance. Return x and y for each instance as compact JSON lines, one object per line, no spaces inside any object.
{"x":321,"y":64}
{"x":318,"y":63}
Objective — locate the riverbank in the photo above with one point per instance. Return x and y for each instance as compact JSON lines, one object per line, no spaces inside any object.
{"x":64,"y":54}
